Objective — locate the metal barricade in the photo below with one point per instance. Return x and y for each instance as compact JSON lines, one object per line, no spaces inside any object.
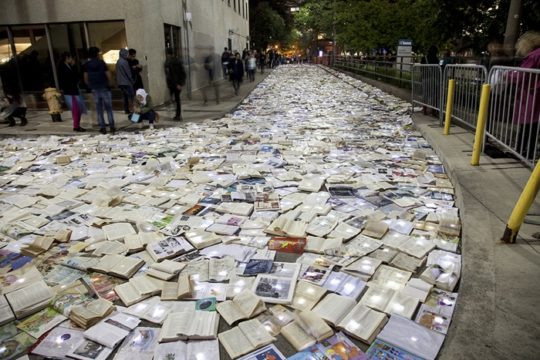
{"x":426,"y":87}
{"x":514,"y":111}
{"x":469,"y":79}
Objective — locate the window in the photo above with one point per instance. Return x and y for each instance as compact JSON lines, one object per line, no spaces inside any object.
{"x":173,"y":40}
{"x":234,"y":5}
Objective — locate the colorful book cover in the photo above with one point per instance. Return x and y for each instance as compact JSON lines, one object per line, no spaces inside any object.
{"x":381,"y":350}
{"x":255,"y":266}
{"x":104,"y":285}
{"x":311,"y":353}
{"x":12,"y":261}
{"x":340,"y":347}
{"x":15,"y":346}
{"x":38,"y":324}
{"x":288,"y":245}
{"x":206,"y":304}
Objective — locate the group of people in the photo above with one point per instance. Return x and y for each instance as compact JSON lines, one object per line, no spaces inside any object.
{"x":98,"y":79}
{"x":235,"y":66}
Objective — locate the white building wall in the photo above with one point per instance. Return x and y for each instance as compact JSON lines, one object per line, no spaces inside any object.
{"x":144,"y":19}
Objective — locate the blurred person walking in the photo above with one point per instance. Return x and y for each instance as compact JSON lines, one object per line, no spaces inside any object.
{"x":210,"y":68}
{"x":98,"y":78}
{"x":225,"y":59}
{"x":176,"y":79}
{"x":16,"y":108}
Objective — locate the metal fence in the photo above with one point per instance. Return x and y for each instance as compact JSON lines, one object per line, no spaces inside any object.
{"x":426,"y":82}
{"x":396,"y":72}
{"x":469,"y":79}
{"x":514,"y":111}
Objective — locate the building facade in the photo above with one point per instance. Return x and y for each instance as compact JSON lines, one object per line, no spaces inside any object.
{"x":33,"y":35}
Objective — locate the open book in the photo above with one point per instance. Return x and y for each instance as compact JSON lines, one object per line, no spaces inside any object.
{"x":209,"y":349}
{"x":168,"y":248}
{"x":112,"y":330}
{"x":38,"y":246}
{"x":243,"y":306}
{"x":30,"y":299}
{"x":165,"y":270}
{"x":306,"y":330}
{"x":178,"y":289}
{"x":363,"y":323}
{"x":118,"y":231}
{"x":244,"y":338}
{"x":138,"y":288}
{"x":201,"y":239}
{"x":194,"y":324}
{"x":390,"y":301}
{"x":333,"y":308}
{"x":118,"y":265}
{"x":89,"y":314}
{"x":306,"y":295}
{"x":321,"y":245}
{"x":284,"y":226}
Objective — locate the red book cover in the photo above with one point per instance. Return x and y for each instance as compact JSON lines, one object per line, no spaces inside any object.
{"x":287,"y":244}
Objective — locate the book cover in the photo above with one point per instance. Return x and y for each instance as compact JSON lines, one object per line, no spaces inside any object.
{"x":287,"y":244}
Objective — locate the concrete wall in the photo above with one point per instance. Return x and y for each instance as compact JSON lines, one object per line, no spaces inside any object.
{"x":144,"y":19}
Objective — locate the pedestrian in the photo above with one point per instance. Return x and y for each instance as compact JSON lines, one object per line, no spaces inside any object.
{"x":225,"y":59}
{"x":98,"y":79}
{"x":252,"y":67}
{"x":237,"y":72}
{"x":124,"y":80}
{"x":176,"y":79}
{"x":68,"y":78}
{"x":136,"y":69}
{"x":527,"y":98}
{"x":262,"y":61}
{"x":143,"y":108}
{"x":16,"y":108}
{"x":209,"y":66}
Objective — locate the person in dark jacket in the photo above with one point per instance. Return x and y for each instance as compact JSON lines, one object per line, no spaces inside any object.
{"x":16,"y":107}
{"x":68,"y":79}
{"x":176,"y":79}
{"x":136,"y":69}
{"x":124,"y":80}
{"x":236,"y":69}
{"x":98,"y":78}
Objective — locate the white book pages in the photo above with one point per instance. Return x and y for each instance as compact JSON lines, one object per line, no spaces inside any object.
{"x":333,"y":308}
{"x":412,"y":337}
{"x":118,"y":231}
{"x":363,"y":323}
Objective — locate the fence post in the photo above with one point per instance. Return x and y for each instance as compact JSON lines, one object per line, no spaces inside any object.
{"x":522,"y":206}
{"x":480,"y":125}
{"x":449,"y":104}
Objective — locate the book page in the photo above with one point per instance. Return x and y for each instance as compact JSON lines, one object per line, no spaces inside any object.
{"x":256,"y":333}
{"x":334,"y":307}
{"x":362,"y":323}
{"x":6,"y":315}
{"x":249,"y":303}
{"x":128,"y":293}
{"x":235,"y":342}
{"x":118,"y":231}
{"x":209,"y":349}
{"x":106,"y":333}
{"x":230,"y":311}
{"x":296,"y":335}
{"x":185,"y":286}
{"x":314,"y":325}
{"x":31,"y":297}
{"x":126,"y":267}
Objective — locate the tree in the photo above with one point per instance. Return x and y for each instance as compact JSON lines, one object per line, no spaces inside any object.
{"x":267,"y":26}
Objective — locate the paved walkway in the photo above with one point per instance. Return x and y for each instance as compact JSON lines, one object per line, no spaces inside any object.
{"x":39,"y":121}
{"x":497,"y":315}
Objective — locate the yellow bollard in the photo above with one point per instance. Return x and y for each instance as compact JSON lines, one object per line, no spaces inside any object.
{"x":449,"y":105}
{"x":522,"y":206}
{"x":480,"y":125}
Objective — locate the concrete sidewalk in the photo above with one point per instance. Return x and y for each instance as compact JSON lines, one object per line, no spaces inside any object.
{"x":39,"y":121}
{"x":497,"y":313}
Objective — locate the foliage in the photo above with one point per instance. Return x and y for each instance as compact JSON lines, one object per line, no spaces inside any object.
{"x":368,"y":25}
{"x":268,"y":26}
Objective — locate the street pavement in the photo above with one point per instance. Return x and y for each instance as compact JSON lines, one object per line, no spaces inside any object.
{"x":497,"y":314}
